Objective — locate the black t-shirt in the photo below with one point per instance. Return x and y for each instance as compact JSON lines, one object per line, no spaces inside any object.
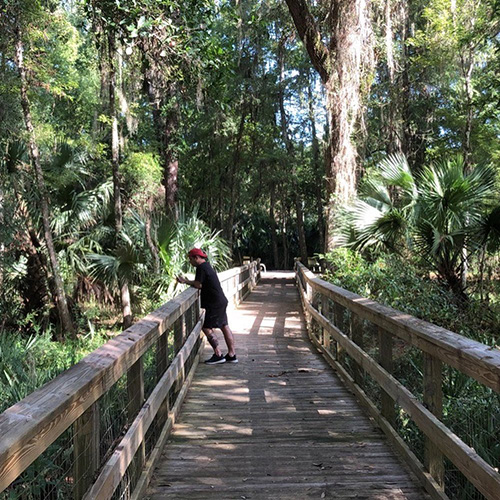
{"x":211,"y":291}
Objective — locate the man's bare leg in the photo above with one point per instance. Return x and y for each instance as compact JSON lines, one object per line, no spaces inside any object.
{"x":212,"y":340}
{"x":228,"y":337}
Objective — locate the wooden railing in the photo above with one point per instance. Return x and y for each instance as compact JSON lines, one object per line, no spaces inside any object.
{"x":133,"y":384}
{"x":338,"y":321}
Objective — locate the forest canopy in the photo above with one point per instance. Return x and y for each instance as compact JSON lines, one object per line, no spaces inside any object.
{"x":133,"y":130}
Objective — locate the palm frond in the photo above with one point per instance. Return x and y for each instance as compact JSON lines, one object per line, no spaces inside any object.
{"x":376,"y":191}
{"x":450,"y":198}
{"x":430,"y":240}
{"x":88,"y":209}
{"x":67,"y":168}
{"x":396,"y":172}
{"x":369,"y":226}
{"x":104,"y":268}
{"x":15,"y":153}
{"x":487,"y":231}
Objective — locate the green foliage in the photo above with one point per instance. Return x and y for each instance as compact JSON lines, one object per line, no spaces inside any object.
{"x":28,"y":363}
{"x":142,"y":174}
{"x":436,"y":215}
{"x":176,"y":238}
{"x":404,"y":286}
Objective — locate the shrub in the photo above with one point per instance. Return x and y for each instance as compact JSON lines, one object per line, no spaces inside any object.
{"x":403,"y":286}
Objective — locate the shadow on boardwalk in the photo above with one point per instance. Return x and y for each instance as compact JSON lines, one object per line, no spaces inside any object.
{"x":277,"y":425}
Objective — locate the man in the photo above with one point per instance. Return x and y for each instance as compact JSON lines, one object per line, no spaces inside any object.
{"x":214,"y":302}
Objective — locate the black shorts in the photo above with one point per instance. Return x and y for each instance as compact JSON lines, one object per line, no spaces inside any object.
{"x":215,"y":317}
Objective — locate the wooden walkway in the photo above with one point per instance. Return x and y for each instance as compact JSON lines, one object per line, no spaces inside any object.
{"x":277,"y":425}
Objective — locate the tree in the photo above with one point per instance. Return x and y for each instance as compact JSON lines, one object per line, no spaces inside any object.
{"x":106,"y":17}
{"x":290,"y":148}
{"x":435,"y":214}
{"x":344,"y":64}
{"x":19,"y":16}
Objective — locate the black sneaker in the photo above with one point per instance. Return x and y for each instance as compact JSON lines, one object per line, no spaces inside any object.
{"x":215,"y":360}
{"x":231,"y":359}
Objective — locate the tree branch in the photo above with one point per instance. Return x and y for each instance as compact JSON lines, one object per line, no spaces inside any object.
{"x":310,"y":36}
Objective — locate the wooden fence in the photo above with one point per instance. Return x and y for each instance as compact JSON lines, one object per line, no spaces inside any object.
{"x":337,"y":324}
{"x":141,"y":404}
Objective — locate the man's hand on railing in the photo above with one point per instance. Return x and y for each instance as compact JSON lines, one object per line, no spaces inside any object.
{"x":184,"y":280}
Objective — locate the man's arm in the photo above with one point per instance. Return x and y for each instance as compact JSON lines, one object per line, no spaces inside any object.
{"x":193,"y":283}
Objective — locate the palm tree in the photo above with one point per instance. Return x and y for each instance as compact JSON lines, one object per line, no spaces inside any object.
{"x":37,"y":284}
{"x":131,"y":261}
{"x":436,"y":214}
{"x":175,"y":239}
{"x":126,"y":264}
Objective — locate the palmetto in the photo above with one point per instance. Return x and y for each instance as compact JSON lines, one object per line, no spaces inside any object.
{"x":130,"y":259}
{"x":444,"y":214}
{"x":176,"y":238}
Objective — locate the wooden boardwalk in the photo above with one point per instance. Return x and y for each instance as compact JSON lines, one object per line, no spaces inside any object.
{"x":277,"y":425}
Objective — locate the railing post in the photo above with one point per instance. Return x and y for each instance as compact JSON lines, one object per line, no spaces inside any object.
{"x":161,"y":355}
{"x":338,"y":312}
{"x":315,"y":328}
{"x":179,"y":334}
{"x":161,"y":368}
{"x":385,"y":343}
{"x":135,"y":390}
{"x":86,"y":441}
{"x":433,"y":400}
{"x":255,"y":269}
{"x":356,"y":327}
{"x":309,"y":296}
{"x":179,"y":338}
{"x":325,"y":311}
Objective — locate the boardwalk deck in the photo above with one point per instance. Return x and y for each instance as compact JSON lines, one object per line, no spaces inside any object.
{"x":277,"y":425}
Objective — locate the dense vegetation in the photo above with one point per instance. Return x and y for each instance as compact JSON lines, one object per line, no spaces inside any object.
{"x":131,"y":131}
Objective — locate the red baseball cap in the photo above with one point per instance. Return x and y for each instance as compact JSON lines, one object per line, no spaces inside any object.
{"x":197,"y":252}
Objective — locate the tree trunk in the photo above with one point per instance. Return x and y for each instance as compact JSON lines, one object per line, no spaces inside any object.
{"x":115,"y":141}
{"x":61,"y":303}
{"x":291,"y":154}
{"x":210,"y":194}
{"x":149,"y":238}
{"x":272,"y":219}
{"x":393,"y":124}
{"x":161,"y":94}
{"x":284,"y":237}
{"x":300,"y":228}
{"x":220,"y":199}
{"x":233,"y":170}
{"x":115,"y":163}
{"x":345,"y":68}
{"x":126,"y":308}
{"x":405,"y":84}
{"x":318,"y":169}
{"x":171,"y":171}
{"x":415,"y":134}
{"x":344,"y":93}
{"x":98,"y":127}
{"x":467,"y":65}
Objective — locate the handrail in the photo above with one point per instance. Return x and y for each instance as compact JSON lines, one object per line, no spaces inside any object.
{"x":71,"y":400}
{"x":439,"y":346}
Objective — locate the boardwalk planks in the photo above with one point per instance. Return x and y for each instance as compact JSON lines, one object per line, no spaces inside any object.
{"x":438,"y":345}
{"x":279,"y":424}
{"x":29,"y":427}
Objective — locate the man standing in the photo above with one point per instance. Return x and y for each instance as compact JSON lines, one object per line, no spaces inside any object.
{"x":214,"y":302}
